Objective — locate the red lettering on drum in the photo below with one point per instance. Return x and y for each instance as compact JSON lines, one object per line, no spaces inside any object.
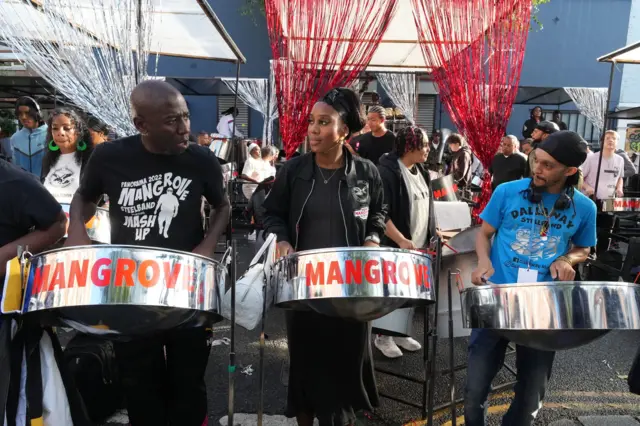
{"x":626,"y":204}
{"x":403,"y":273}
{"x":353,"y":272}
{"x":171,"y":274}
{"x":100,"y":273}
{"x":125,"y":269}
{"x":40,"y":279}
{"x":142,"y":273}
{"x":371,"y":272}
{"x":78,"y":274}
{"x":314,"y":276}
{"x":187,"y":277}
{"x":389,"y":272}
{"x":58,"y":277}
{"x":335,"y":274}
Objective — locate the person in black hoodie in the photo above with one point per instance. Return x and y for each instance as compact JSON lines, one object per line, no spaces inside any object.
{"x":410,"y":211}
{"x":532,"y":122}
{"x":323,"y":199}
{"x":461,"y":160}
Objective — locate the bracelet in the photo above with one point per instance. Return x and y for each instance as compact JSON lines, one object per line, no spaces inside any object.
{"x":565,"y":259}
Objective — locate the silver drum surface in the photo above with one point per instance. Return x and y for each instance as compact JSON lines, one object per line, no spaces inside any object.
{"x":123,"y":290}
{"x":98,"y":228}
{"x":553,"y":315}
{"x":356,"y":282}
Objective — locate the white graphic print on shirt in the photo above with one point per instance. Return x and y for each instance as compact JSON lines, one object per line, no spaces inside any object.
{"x":63,"y":179}
{"x":151,"y":200}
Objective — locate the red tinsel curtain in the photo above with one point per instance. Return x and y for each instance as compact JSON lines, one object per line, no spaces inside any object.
{"x":316,"y":45}
{"x":478,"y":48}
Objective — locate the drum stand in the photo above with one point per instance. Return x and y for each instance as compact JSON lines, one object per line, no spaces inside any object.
{"x":430,"y":342}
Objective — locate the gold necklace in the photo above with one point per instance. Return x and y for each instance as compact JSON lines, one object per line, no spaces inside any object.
{"x":544,"y":229}
{"x":326,"y":180}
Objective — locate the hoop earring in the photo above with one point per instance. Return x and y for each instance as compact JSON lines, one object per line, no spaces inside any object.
{"x":53,"y":146}
{"x":82,"y":145}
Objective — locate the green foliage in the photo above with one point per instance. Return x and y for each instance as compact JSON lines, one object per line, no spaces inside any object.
{"x":534,"y":13}
{"x":8,"y":125}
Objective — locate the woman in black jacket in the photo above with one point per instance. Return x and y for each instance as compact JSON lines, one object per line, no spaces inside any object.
{"x":410,"y":211}
{"x":532,"y":122}
{"x":322,"y":199}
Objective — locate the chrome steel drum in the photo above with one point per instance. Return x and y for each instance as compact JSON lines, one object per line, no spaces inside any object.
{"x":98,"y":228}
{"x":123,"y":290}
{"x":553,"y":315}
{"x":358,"y":283}
{"x":621,"y":205}
{"x":459,"y":254}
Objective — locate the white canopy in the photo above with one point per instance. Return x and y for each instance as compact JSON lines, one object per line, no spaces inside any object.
{"x":185,"y":28}
{"x":627,"y":55}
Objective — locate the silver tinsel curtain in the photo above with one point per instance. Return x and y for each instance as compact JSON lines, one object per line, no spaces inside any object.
{"x":84,"y":49}
{"x":401,"y":88}
{"x":591,"y":102}
{"x":254,"y":92}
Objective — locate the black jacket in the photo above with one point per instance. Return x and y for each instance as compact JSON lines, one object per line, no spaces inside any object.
{"x":360,"y":189}
{"x":396,"y":198}
{"x":529,"y":127}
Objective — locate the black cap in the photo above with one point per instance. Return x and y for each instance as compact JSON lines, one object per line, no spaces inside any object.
{"x":566,"y":147}
{"x":548,"y":127}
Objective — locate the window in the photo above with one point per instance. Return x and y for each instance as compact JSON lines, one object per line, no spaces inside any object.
{"x":578,"y":123}
{"x":427,"y":112}
{"x":242,"y":120}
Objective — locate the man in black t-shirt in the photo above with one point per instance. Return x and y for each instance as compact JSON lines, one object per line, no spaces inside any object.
{"x":29,"y":216}
{"x":155,"y":182}
{"x":509,"y":165}
{"x":379,"y":141}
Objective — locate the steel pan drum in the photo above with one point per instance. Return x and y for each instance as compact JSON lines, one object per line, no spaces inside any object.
{"x":357,"y":283}
{"x":465,"y":260}
{"x":621,"y":205}
{"x":553,"y":315}
{"x":98,"y":228}
{"x":123,"y":290}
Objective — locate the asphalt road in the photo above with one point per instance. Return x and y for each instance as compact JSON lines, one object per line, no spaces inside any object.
{"x":590,"y":380}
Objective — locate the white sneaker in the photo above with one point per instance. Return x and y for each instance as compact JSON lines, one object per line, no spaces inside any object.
{"x":408,"y":344}
{"x":387,"y":346}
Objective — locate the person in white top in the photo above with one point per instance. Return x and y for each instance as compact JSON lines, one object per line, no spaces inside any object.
{"x":611,"y":170}
{"x":225,"y":125}
{"x":68,"y":149}
{"x":410,"y":217}
{"x":257,"y":168}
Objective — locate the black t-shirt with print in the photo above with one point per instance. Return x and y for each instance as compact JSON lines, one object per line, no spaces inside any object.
{"x":154,"y":199}
{"x":25,"y":204}
{"x":372,"y":147}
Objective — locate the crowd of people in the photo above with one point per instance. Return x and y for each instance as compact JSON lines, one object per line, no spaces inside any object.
{"x":370,"y":190}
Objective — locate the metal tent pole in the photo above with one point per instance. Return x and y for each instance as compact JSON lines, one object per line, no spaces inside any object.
{"x":604,"y":128}
{"x":232,"y":276}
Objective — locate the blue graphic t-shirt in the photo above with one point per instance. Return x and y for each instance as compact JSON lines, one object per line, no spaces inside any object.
{"x":518,"y":242}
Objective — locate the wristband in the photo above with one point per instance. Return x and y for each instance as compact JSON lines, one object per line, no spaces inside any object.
{"x":566,"y":260}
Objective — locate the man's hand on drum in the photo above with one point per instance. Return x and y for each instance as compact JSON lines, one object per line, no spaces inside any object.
{"x":77,"y":240}
{"x":482,"y":273}
{"x":370,"y":244}
{"x":562,"y":270}
{"x":283,"y":248}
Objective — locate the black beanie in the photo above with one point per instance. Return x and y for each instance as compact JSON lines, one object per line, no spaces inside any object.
{"x":566,"y":147}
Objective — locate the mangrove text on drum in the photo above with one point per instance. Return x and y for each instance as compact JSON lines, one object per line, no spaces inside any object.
{"x":103,"y":272}
{"x":367,"y":272}
{"x":626,"y":203}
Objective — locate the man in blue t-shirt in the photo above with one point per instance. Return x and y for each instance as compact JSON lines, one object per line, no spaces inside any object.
{"x":542,"y":229}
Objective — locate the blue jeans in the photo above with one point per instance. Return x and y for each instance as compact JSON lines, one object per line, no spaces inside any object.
{"x":486,"y":356}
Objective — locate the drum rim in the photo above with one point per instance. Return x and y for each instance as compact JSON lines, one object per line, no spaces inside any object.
{"x":129,"y":246}
{"x":551,"y":284}
{"x":353,"y":249}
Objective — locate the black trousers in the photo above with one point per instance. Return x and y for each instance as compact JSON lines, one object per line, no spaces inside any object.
{"x":165,"y":391}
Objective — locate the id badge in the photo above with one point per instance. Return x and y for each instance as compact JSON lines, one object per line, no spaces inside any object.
{"x":527,"y":275}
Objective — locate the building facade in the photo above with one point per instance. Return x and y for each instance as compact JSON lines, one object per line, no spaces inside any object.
{"x":561,"y":54}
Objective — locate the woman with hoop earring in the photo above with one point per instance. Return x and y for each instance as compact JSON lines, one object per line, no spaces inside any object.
{"x":68,"y":148}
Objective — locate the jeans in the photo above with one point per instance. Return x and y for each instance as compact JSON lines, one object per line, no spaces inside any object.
{"x":165,"y":390}
{"x":486,"y":356}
